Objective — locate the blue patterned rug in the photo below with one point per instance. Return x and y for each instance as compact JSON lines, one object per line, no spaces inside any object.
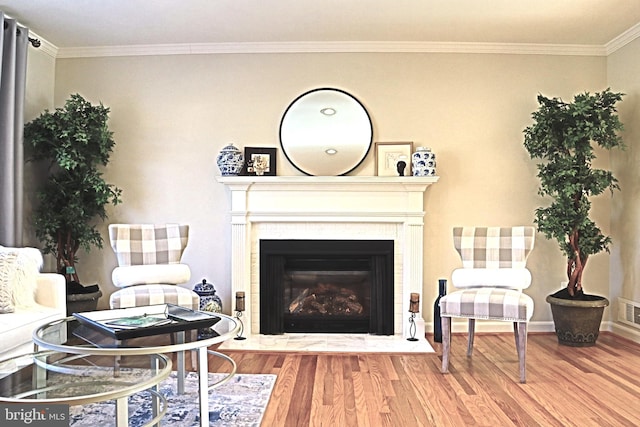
{"x":241,"y":402}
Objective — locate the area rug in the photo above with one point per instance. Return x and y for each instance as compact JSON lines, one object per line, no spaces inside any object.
{"x":241,"y":402}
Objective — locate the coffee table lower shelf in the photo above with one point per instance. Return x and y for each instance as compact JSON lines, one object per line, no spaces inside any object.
{"x":52,"y":377}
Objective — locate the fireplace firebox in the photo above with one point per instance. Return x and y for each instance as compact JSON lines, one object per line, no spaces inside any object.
{"x":326,"y":286}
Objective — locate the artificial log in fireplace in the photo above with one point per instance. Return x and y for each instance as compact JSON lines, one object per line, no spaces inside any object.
{"x":327,"y":286}
{"x":327,"y":299}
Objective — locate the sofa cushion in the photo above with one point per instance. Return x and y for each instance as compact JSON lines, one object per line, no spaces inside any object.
{"x":16,"y":328}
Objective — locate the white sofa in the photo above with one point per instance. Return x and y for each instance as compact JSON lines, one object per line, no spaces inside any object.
{"x":48,"y":303}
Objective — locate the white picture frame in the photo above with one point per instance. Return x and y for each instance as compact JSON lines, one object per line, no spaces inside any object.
{"x":389,"y":154}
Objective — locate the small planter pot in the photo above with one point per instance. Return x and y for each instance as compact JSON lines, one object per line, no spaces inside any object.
{"x":577,"y":322}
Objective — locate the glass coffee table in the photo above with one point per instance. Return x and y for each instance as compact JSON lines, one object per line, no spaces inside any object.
{"x":68,"y":335}
{"x":49,"y":376}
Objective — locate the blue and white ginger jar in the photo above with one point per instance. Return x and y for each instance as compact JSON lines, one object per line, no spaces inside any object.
{"x":209,"y":301}
{"x":230,"y":160}
{"x":423,"y":162}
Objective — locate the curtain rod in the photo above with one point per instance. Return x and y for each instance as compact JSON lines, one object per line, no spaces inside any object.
{"x":34,"y":42}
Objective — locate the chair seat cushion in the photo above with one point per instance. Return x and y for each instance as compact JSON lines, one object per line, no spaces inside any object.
{"x":488,"y":303}
{"x":136,"y":296}
{"x":513,"y":278}
{"x":169,"y":274}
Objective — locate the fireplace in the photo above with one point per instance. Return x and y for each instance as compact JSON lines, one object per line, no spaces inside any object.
{"x":330,"y":286}
{"x":328,"y":208}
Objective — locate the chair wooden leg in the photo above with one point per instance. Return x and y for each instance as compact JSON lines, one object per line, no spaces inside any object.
{"x":517,"y":337}
{"x":446,"y":343}
{"x":472,"y":332}
{"x":522,"y":350}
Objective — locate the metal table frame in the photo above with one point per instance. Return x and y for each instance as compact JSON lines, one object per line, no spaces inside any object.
{"x":40,"y":388}
{"x":200,"y":345}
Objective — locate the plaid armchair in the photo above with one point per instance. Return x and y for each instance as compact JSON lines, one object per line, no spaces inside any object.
{"x":491,"y":281}
{"x":149,"y":265}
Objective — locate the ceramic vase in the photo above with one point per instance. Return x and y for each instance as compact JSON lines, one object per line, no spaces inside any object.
{"x":423,"y":162}
{"x":230,"y":160}
{"x":209,"y":301}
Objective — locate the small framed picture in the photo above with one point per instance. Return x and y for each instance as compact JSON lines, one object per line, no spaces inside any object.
{"x":393,"y":158}
{"x":260,"y":161}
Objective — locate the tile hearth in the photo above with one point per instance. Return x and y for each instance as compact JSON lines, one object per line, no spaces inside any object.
{"x":330,"y":343}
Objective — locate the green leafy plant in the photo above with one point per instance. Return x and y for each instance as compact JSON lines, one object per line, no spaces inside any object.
{"x":563,"y":136}
{"x":76,"y":141}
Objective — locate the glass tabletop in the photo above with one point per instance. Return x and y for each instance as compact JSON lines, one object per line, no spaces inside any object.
{"x":58,"y":377}
{"x":71,"y":335}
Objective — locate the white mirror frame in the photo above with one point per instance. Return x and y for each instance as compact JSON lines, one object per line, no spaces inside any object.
{"x":326,"y":132}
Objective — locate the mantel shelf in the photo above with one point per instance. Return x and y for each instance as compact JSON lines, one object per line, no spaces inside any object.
{"x":348,"y":183}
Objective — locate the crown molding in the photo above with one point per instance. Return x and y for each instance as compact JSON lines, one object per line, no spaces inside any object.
{"x":333,"y":47}
{"x":344,"y":47}
{"x":45,"y":46}
{"x":623,"y":39}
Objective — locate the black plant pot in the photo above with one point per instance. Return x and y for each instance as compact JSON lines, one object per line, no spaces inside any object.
{"x":78,"y":303}
{"x":577,"y":321}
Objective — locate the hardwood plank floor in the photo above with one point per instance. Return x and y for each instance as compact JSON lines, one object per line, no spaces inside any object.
{"x":594,"y":386}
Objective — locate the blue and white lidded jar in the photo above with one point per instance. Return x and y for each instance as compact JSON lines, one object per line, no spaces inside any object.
{"x":230,"y":160}
{"x":209,"y":301}
{"x":423,"y":162}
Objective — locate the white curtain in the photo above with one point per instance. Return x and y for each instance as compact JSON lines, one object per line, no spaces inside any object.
{"x":14,"y":43}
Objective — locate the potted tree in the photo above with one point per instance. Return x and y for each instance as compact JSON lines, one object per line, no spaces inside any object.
{"x":563,"y":136}
{"x":76,"y":142}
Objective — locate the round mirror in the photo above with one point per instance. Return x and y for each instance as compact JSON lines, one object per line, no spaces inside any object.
{"x":326,"y":132}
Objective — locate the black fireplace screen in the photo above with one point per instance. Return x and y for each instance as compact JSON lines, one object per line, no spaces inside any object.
{"x":326,"y":286}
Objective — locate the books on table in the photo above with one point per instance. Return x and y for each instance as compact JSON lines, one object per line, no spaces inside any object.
{"x":125,"y":323}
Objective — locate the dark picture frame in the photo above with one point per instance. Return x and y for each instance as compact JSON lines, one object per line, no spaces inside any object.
{"x":264,"y":154}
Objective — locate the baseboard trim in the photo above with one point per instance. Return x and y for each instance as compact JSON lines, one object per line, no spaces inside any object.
{"x":625,"y":331}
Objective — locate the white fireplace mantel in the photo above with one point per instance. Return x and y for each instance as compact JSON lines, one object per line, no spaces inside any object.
{"x":340,"y":207}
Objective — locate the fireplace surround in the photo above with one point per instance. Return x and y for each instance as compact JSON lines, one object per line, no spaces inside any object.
{"x":334,"y":208}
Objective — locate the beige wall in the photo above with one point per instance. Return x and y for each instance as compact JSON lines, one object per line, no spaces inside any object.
{"x":38,"y":97}
{"x":623,"y":75}
{"x":172,"y":114}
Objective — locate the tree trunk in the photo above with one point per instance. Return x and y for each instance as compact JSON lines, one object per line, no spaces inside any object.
{"x":66,"y":256}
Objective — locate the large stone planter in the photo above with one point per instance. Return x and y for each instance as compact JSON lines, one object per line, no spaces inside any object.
{"x":577,"y":322}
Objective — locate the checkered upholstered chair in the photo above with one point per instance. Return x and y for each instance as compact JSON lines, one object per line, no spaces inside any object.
{"x":490,"y":284}
{"x":149,"y":265}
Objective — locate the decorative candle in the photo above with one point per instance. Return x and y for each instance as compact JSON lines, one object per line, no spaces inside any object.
{"x":414,"y":303}
{"x":239,"y":301}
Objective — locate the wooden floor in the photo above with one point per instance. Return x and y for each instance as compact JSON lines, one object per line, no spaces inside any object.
{"x":596,"y":386}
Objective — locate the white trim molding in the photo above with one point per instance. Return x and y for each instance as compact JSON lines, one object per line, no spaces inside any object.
{"x":334,"y":47}
{"x":322,"y":207}
{"x":623,"y":39}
